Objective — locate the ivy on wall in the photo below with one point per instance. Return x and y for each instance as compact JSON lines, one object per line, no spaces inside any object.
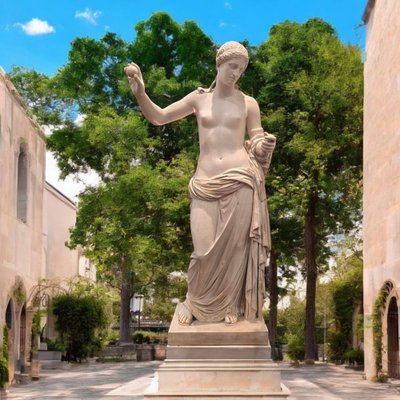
{"x":4,"y":359}
{"x":377,"y":315}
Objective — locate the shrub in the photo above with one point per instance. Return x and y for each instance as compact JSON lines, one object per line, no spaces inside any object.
{"x":3,"y":371}
{"x":354,"y":356}
{"x":295,"y":348}
{"x":55,"y":345}
{"x":140,"y":337}
{"x":337,"y":345}
{"x":79,"y":320}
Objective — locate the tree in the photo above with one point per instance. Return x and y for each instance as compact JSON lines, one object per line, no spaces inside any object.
{"x":130,"y":227}
{"x":311,"y":91}
{"x":45,"y":103}
{"x":309,"y":87}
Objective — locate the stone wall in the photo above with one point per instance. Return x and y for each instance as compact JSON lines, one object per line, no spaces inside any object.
{"x":381,"y":227}
{"x":22,"y":168}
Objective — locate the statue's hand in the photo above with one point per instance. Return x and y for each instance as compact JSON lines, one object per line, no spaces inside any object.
{"x":268,"y":144}
{"x":135,"y":79}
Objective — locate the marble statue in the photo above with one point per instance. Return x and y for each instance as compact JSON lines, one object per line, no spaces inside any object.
{"x":228,"y":215}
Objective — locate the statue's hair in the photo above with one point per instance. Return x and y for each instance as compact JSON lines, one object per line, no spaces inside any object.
{"x":230,"y":50}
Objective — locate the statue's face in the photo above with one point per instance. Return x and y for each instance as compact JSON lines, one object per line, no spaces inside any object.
{"x":230,"y":71}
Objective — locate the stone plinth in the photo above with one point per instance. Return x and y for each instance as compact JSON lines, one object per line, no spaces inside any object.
{"x":214,"y":360}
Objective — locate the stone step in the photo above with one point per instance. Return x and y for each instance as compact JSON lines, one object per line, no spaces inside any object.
{"x":244,"y":333}
{"x":219,"y":352}
{"x":154,"y":393}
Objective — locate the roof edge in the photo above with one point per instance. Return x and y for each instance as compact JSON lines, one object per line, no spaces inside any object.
{"x":12,"y":89}
{"x":368,"y":9}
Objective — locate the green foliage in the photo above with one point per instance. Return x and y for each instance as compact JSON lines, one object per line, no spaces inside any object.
{"x":135,"y":225}
{"x":55,"y":345}
{"x":295,"y":348}
{"x":36,"y":323}
{"x":5,"y":346}
{"x":291,"y":320}
{"x":45,"y":103}
{"x":337,"y":346}
{"x":140,"y":337}
{"x":19,"y":292}
{"x":346,"y":291}
{"x":310,"y":89}
{"x":3,"y":371}
{"x":377,"y":329}
{"x":354,"y":356}
{"x":80,"y":320}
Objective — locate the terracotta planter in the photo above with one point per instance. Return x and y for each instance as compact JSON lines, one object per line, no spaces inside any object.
{"x":160,"y":352}
{"x":35,"y":369}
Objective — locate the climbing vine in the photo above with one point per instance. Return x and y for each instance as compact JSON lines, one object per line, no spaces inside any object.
{"x":3,"y":358}
{"x":377,"y":333}
{"x":19,"y":292}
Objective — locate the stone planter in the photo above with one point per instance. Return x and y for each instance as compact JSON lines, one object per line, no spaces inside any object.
{"x":160,"y":352}
{"x":144,"y":352}
{"x":49,"y":355}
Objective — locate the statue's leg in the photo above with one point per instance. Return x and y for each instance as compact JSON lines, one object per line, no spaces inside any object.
{"x":203,"y":224}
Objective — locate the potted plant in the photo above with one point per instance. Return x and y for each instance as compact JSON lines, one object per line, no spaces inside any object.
{"x":144,"y":349}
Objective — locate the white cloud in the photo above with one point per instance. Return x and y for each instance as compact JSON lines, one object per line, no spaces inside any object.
{"x":36,"y":27}
{"x":88,"y":15}
{"x":228,"y":5}
{"x":222,"y":24}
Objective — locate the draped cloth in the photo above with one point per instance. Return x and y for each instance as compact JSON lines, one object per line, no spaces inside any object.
{"x":229,"y":276}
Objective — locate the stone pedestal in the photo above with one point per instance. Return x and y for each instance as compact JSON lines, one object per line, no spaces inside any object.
{"x":221,"y":361}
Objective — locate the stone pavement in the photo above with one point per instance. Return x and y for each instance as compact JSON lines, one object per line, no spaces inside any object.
{"x":127,"y":380}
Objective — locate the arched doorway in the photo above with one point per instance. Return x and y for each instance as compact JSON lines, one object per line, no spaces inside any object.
{"x":9,"y":315}
{"x":8,"y":332}
{"x":393,"y":339}
{"x":22,"y":340}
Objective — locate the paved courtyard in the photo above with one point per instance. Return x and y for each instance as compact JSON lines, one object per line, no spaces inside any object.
{"x":122,"y":381}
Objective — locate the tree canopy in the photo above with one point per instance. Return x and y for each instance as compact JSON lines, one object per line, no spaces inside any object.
{"x":135,"y":224}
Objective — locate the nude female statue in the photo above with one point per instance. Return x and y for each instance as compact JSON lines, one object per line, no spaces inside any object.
{"x":228,"y":217}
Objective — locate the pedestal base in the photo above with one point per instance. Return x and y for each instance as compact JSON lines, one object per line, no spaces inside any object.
{"x":208,"y":360}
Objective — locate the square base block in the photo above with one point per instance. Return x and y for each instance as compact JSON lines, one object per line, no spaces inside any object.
{"x":214,"y":360}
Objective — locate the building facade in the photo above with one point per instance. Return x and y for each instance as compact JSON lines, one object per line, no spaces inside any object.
{"x":381,"y":226}
{"x":34,"y":225}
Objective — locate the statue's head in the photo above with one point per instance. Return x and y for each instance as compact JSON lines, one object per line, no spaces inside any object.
{"x":231,"y":50}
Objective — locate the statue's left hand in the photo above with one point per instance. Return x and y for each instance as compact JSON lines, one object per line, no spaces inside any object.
{"x":268,"y":144}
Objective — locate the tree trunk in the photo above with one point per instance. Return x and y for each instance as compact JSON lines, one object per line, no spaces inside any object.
{"x":310,"y":245}
{"x":273,"y":300}
{"x":125,"y":315}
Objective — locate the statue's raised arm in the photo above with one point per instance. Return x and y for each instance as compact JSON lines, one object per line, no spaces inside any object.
{"x":153,"y":113}
{"x":228,"y":215}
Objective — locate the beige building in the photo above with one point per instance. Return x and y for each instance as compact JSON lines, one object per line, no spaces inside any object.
{"x":382,"y":184}
{"x":34,"y":225}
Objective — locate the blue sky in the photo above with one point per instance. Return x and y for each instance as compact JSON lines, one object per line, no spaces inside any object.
{"x":37,"y":33}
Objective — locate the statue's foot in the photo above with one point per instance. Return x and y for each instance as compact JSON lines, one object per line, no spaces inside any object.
{"x":185,"y":317}
{"x":231,"y":318}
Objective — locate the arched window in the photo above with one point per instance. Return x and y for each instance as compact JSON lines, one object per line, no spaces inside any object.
{"x":22,"y":185}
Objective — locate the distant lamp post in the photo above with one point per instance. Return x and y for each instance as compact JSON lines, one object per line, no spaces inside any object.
{"x":137,"y":306}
